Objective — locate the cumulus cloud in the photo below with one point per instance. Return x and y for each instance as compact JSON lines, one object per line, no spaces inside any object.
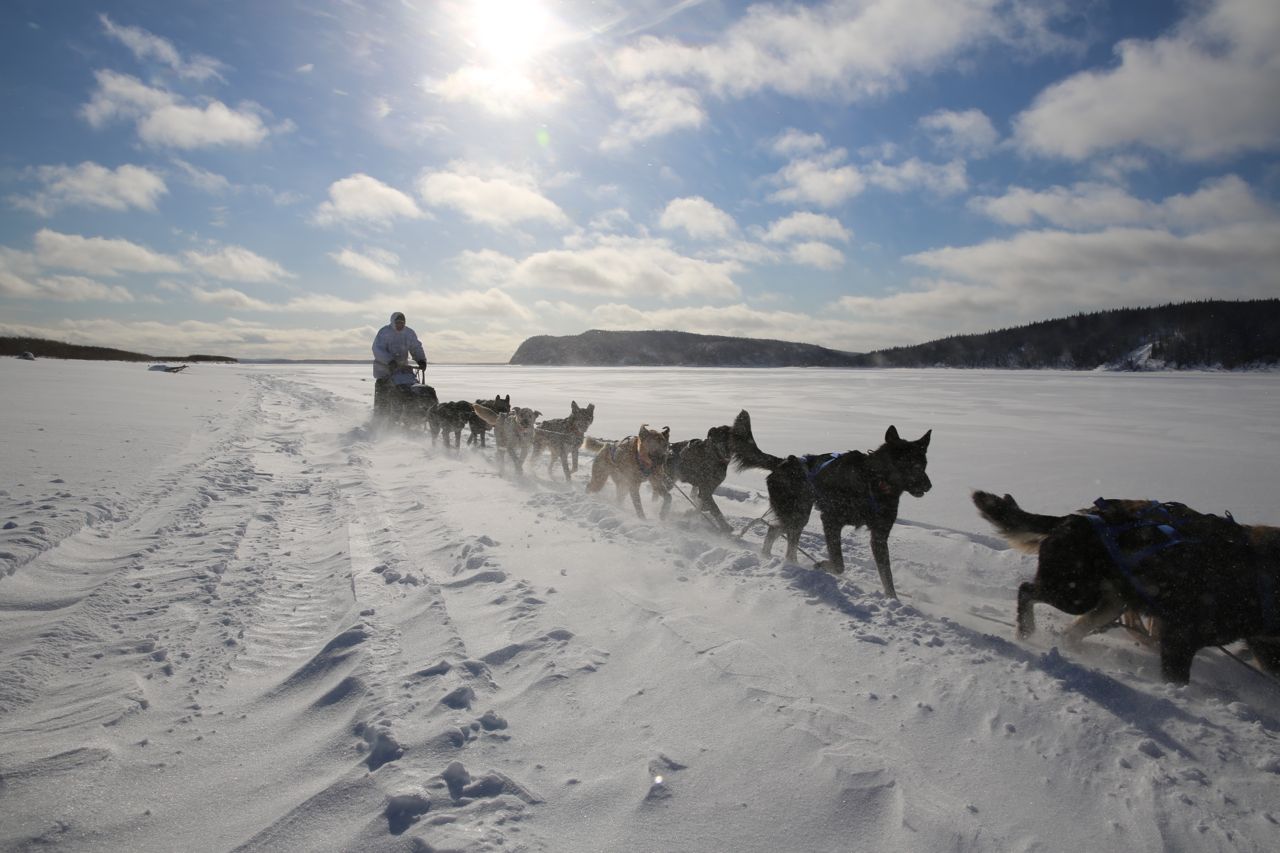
{"x":1048,"y":273}
{"x":792,"y":142}
{"x":1208,"y":90}
{"x":837,"y":50}
{"x":825,"y":178}
{"x":811,"y":253}
{"x":230,"y":299}
{"x":698,"y":218}
{"x":92,"y":185}
{"x":1086,"y":206}
{"x":165,"y":119}
{"x":612,"y":266}
{"x":651,"y":110}
{"x":362,"y":199}
{"x":501,"y":90}
{"x":201,"y":179}
{"x":98,"y":255}
{"x":806,"y":225}
{"x":966,"y":132}
{"x":493,"y":196}
{"x":236,"y":263}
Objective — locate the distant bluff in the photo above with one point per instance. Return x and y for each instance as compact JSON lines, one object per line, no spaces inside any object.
{"x":598,"y":348}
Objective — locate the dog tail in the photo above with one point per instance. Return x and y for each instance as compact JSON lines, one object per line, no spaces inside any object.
{"x":591,"y":444}
{"x":745,"y":452}
{"x":1024,"y":530}
{"x":485,"y":414}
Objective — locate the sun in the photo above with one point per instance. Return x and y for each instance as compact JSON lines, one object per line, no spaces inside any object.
{"x":510,"y":32}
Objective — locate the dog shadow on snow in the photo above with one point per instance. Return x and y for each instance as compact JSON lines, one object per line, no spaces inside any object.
{"x":1141,"y":710}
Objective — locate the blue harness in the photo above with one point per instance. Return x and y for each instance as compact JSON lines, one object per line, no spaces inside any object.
{"x":812,"y":475}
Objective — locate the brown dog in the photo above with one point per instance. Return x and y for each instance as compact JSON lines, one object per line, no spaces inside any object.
{"x":630,"y":462}
{"x":512,"y":433}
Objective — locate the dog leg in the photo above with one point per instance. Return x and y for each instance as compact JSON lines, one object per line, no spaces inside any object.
{"x":1027,"y":598}
{"x":1177,"y":649}
{"x":635,"y":498}
{"x":1103,"y":614}
{"x":835,"y":550}
{"x":880,"y":550}
{"x":770,"y":536}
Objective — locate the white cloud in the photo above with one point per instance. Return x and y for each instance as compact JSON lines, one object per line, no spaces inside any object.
{"x":1047,"y":273}
{"x":939,"y":178}
{"x":501,"y":90}
{"x":1086,"y":206}
{"x":1208,"y":90}
{"x":236,"y":263}
{"x":181,"y":126}
{"x":806,"y":225}
{"x":652,"y":110}
{"x":163,"y":118}
{"x":360,"y":198}
{"x":967,"y":132}
{"x":823,"y":179}
{"x":611,"y":266}
{"x":231,"y":299}
{"x":98,"y":255}
{"x":814,"y":254}
{"x":76,"y":288}
{"x":202,"y":179}
{"x":374,"y":266}
{"x":493,"y":196}
{"x":698,"y":218}
{"x":792,"y":142}
{"x":826,"y":180}
{"x":840,"y":50}
{"x":92,"y":185}
{"x":146,"y":45}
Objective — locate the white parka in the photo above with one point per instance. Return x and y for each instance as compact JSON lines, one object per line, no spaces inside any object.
{"x":390,"y":345}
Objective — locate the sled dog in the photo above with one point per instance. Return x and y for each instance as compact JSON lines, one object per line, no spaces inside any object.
{"x":1205,"y":579}
{"x":703,"y":463}
{"x":512,"y":433}
{"x":478,"y":426}
{"x":637,"y":459}
{"x":563,"y":436}
{"x":852,"y":487}
{"x":447,"y":419}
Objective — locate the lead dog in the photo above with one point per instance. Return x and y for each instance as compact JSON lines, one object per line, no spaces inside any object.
{"x":630,"y":462}
{"x":563,"y":436}
{"x":512,"y":433}
{"x":852,"y":487}
{"x":703,"y":463}
{"x":1205,"y":579}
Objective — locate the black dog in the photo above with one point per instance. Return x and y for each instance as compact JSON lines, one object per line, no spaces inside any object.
{"x":447,"y":419}
{"x":479,"y":426}
{"x":852,"y":487}
{"x":410,"y":406}
{"x":563,"y":436}
{"x":1205,"y":579}
{"x":703,"y":464}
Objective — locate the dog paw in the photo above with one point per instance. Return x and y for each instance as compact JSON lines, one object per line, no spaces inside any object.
{"x":828,"y":566}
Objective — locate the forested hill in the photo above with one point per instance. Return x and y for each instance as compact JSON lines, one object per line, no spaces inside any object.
{"x":42,"y":348}
{"x":1211,"y":333}
{"x":619,"y":349}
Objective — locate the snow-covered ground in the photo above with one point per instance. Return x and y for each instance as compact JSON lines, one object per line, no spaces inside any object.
{"x":232,"y":617}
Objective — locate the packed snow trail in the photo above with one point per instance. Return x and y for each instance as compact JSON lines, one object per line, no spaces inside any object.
{"x":294,"y":633}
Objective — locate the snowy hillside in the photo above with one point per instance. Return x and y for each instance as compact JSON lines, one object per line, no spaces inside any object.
{"x":234,"y":618}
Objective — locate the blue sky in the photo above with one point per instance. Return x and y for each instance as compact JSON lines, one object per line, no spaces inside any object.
{"x":274,"y":179}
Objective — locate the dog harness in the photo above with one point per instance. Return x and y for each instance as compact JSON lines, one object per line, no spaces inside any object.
{"x":1156,"y":515}
{"x":812,"y":475}
{"x":645,"y":468}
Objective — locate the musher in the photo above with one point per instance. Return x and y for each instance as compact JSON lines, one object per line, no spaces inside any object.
{"x":392,"y":346}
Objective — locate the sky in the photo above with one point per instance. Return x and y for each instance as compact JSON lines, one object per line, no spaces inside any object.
{"x":235,"y":617}
{"x":272,"y":180}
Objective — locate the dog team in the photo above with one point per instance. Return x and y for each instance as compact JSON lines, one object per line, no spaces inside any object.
{"x":1200,"y":580}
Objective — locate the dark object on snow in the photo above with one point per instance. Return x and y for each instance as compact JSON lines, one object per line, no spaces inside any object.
{"x":168,"y":368}
{"x":1204,"y":578}
{"x":861,"y":489}
{"x":703,"y":463}
{"x":26,"y":356}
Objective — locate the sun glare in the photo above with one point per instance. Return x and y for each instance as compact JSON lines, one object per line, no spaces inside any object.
{"x":509,"y":32}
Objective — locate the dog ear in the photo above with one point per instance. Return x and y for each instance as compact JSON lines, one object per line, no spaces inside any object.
{"x":923,"y":440}
{"x":573,"y":406}
{"x":891,"y":435}
{"x":666,"y":433}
